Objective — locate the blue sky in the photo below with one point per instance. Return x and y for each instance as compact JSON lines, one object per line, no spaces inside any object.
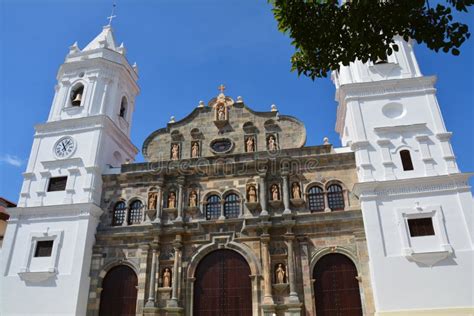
{"x":184,"y":50}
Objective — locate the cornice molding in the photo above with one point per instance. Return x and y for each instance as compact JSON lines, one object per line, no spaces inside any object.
{"x":375,"y":189}
{"x":82,"y":210}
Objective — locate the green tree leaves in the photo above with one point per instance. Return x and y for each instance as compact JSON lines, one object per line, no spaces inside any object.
{"x":326,"y":34}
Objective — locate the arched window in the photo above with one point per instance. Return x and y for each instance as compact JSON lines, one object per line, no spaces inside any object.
{"x":213,"y":207}
{"x":123,"y":107}
{"x":120,"y":211}
{"x":316,"y":199}
{"x":135,"y":214}
{"x":232,"y":206}
{"x":76,"y":95}
{"x":406,"y":160}
{"x":335,"y":197}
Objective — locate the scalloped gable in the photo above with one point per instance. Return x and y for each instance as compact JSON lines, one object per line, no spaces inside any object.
{"x":201,"y":126}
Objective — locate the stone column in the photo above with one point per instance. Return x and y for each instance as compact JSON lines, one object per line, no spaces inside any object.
{"x":159,"y":203}
{"x":179,"y":218}
{"x":267,"y":276}
{"x":263,"y":196}
{"x":291,"y":268}
{"x":307,"y":277}
{"x":286,"y":194}
{"x":173,"y":302}
{"x":152,"y":283}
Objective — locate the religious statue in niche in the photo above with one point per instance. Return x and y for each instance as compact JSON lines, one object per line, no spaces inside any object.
{"x":193,"y":199}
{"x":175,"y":152}
{"x":252,"y":194}
{"x":250,"y":144}
{"x":152,"y":199}
{"x":275,"y":192}
{"x":172,"y":200}
{"x":280,"y":274}
{"x":272,"y":144}
{"x":195,"y":150}
{"x":221,"y":112}
{"x":167,"y":277}
{"x":296,"y":191}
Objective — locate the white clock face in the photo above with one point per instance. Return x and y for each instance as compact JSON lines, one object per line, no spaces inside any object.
{"x":64,"y":147}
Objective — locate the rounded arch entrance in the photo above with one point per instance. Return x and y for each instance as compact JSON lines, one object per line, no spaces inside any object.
{"x":119,"y":292}
{"x":336,"y":288}
{"x":222,"y":285}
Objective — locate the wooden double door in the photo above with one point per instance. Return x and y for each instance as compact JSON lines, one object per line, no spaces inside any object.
{"x":222,"y":286}
{"x":119,"y":292}
{"x":336,"y":288}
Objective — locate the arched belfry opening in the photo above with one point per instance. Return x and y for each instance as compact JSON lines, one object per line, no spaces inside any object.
{"x":336,"y":286}
{"x":119,"y":292}
{"x":222,"y":285}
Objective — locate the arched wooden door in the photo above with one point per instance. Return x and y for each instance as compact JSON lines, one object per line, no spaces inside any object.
{"x":336,"y":288}
{"x":119,"y":292}
{"x":222,"y":286}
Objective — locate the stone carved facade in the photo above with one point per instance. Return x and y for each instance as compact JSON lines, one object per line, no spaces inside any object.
{"x":280,"y":241}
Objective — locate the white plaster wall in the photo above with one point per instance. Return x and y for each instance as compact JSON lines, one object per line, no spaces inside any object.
{"x":64,"y":293}
{"x":403,"y":285}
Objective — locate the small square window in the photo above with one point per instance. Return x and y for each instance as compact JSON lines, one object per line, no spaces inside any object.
{"x":44,"y":248}
{"x":421,"y":227}
{"x":57,"y":184}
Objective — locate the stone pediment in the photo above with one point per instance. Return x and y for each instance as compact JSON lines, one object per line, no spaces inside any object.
{"x":246,"y":130}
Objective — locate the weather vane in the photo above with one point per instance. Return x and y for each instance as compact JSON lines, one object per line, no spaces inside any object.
{"x":112,"y":16}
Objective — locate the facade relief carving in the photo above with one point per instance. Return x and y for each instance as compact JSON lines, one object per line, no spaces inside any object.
{"x":193,"y":199}
{"x":251,"y":194}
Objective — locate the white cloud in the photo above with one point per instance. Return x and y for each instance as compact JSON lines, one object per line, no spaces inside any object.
{"x":11,"y":160}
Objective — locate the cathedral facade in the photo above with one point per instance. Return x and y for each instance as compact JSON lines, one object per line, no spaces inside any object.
{"x":232,"y":213}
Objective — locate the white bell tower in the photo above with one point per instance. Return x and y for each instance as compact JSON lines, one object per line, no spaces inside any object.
{"x":417,"y":206}
{"x":47,"y":248}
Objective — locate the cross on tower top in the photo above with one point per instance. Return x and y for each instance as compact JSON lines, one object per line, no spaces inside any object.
{"x":112,"y":16}
{"x":221,"y":88}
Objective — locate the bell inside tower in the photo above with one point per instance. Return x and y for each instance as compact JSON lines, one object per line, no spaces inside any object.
{"x":76,"y":95}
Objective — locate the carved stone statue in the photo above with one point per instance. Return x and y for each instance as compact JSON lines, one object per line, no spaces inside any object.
{"x":296,"y":191}
{"x":250,"y":144}
{"x":221,"y":112}
{"x":172,"y":200}
{"x":195,"y":150}
{"x":193,"y":199}
{"x":175,"y":152}
{"x":272,"y":145}
{"x":152,"y":198}
{"x":280,"y":274}
{"x":252,"y":194}
{"x":275,"y":192}
{"x":167,"y":278}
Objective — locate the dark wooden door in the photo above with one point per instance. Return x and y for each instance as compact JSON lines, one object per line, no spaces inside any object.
{"x":119,"y":292}
{"x":336,"y":288}
{"x":222,"y":286}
